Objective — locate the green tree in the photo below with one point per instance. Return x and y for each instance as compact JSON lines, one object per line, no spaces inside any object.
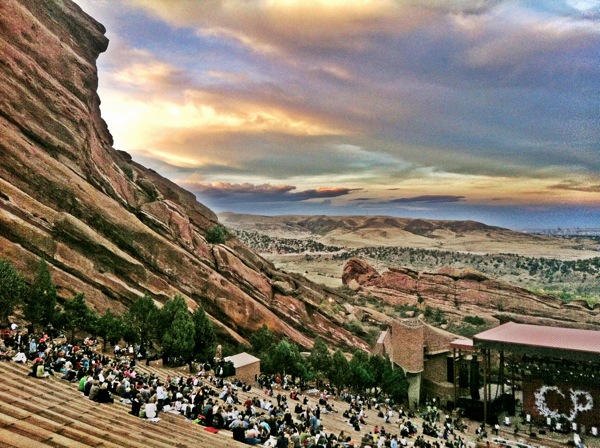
{"x":319,"y":360}
{"x":205,"y":339}
{"x":167,"y":314}
{"x":263,"y":343}
{"x":360,"y":376}
{"x":262,"y":340}
{"x":379,"y":367}
{"x":177,"y":330}
{"x":395,"y":385}
{"x":40,"y":302}
{"x":12,"y":290}
{"x":179,"y":339}
{"x":288,"y":360}
{"x":338,"y":372}
{"x":388,"y":380}
{"x":140,"y":321}
{"x":77,"y":316}
{"x":110,"y":328}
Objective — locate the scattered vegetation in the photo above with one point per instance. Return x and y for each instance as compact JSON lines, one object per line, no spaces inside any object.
{"x":128,"y":171}
{"x":568,"y":279}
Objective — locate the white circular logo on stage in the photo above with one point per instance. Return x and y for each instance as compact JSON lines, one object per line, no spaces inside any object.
{"x":580,"y":399}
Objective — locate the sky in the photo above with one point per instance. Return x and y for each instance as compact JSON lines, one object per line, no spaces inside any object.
{"x":487,"y":110}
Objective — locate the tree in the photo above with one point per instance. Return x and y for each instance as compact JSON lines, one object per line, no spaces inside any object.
{"x":205,"y":339}
{"x":263,"y":343}
{"x":110,"y":328}
{"x":177,"y":328}
{"x":395,"y":385}
{"x":262,"y":340}
{"x":167,"y":314}
{"x":140,"y":320}
{"x":392,"y":382}
{"x":319,"y":360}
{"x":380,"y":367}
{"x":286,"y":358}
{"x":338,"y":372}
{"x":360,"y":377}
{"x":179,"y":339}
{"x":40,"y":302}
{"x":77,"y":316}
{"x":12,"y":289}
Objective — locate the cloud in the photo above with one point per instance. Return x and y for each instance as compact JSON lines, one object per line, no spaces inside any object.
{"x":485,"y":99}
{"x":268,"y":26}
{"x":570,"y":185}
{"x":227,"y":192}
{"x":431,"y":199}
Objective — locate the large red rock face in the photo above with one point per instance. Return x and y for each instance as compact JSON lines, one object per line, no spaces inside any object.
{"x":466,"y":292}
{"x":108,"y":226}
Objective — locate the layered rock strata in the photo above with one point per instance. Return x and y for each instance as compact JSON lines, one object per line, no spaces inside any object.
{"x":465,"y":292}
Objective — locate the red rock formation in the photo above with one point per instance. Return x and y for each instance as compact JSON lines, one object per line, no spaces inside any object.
{"x":107,"y":226}
{"x":359,"y":271}
{"x":462,"y":292}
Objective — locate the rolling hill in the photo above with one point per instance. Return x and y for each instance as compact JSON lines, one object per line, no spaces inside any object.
{"x":369,"y":231}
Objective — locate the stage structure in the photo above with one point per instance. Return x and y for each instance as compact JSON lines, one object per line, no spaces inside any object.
{"x":424,"y":353}
{"x":558,"y":370}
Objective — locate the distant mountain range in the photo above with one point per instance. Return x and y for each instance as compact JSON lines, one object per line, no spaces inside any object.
{"x":459,"y":236}
{"x":461,"y":275}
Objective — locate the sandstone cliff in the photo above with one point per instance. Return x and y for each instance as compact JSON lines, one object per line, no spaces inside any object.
{"x":465,"y":292}
{"x":107,"y":226}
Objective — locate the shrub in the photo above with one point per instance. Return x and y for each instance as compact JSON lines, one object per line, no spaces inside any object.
{"x":217,"y":234}
{"x":354,"y":327}
{"x":474,"y":320}
{"x":591,"y":302}
{"x":148,"y":188}
{"x":128,"y":171}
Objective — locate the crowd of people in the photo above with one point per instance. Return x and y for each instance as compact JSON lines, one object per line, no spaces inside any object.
{"x":279,"y":415}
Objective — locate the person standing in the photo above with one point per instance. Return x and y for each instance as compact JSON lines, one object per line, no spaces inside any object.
{"x":161,"y":394}
{"x":33,"y":353}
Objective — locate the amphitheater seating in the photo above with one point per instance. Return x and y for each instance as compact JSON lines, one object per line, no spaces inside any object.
{"x":51,"y":412}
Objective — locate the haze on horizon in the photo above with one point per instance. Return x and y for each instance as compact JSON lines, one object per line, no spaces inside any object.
{"x":443,"y":109}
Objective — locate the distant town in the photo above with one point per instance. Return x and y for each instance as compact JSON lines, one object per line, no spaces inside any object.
{"x":567,"y":231}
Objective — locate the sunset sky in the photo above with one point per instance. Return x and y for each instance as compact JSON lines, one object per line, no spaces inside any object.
{"x":445,"y":109}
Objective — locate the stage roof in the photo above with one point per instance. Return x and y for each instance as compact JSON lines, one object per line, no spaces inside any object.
{"x":538,"y":340}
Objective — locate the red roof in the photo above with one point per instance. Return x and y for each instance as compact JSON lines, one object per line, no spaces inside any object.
{"x":556,"y":338}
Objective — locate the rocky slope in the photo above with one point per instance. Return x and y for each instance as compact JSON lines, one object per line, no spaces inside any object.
{"x":465,"y":292}
{"x":107,"y":226}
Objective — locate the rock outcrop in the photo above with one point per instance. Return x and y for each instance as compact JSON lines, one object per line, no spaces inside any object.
{"x":466,"y":292}
{"x":108,"y":226}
